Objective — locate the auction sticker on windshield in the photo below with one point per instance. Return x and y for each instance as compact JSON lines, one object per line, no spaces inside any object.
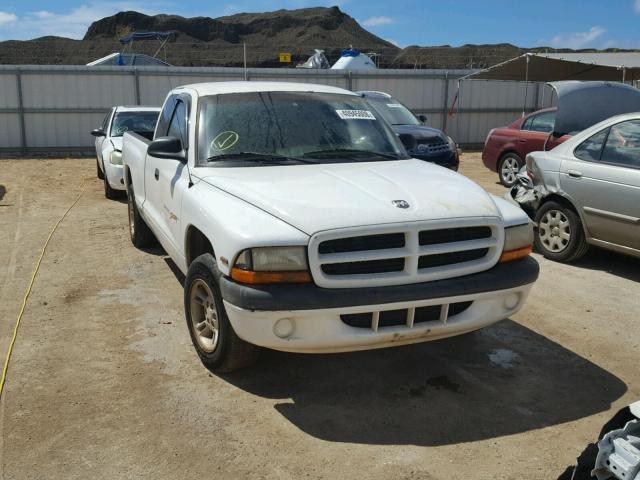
{"x":355,"y":114}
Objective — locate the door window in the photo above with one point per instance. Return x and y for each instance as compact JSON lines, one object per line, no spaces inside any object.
{"x":543,"y":122}
{"x":623,"y":145}
{"x":591,"y":149}
{"x":178,"y":124}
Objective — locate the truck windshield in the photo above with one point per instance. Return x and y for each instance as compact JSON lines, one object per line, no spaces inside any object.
{"x":245,"y":128}
{"x":393,"y":111}
{"x":138,"y":122}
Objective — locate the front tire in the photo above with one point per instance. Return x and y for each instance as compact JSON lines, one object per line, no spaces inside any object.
{"x":99,"y":172}
{"x":508,"y":168}
{"x":559,"y":235}
{"x":213,"y":337}
{"x":140,"y":233}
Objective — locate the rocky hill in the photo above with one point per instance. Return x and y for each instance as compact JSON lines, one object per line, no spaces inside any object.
{"x":204,"y":41}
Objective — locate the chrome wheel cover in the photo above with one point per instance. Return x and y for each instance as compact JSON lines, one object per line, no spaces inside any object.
{"x":132,"y":225}
{"x":204,"y":315}
{"x":554,"y":231}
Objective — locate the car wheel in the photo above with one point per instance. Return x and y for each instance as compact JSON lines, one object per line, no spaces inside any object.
{"x":213,"y":337}
{"x":559,"y":235}
{"x":99,"y":173}
{"x":508,"y":168}
{"x":110,"y":193}
{"x":141,"y":234}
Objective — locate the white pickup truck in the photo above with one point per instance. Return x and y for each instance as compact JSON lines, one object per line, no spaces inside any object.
{"x":302,"y":225}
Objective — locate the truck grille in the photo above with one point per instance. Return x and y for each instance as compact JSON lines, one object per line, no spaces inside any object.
{"x":406,"y":316}
{"x":406,"y":253}
{"x":432,"y":147}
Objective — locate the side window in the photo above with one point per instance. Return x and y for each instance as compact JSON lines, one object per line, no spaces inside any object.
{"x":543,"y":122}
{"x":178,"y":124}
{"x":527,"y":123}
{"x":623,"y":145}
{"x":591,"y":148}
{"x":165,"y":117}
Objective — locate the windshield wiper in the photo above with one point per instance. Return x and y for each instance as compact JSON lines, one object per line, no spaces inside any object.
{"x":348,"y":151}
{"x":256,"y":156}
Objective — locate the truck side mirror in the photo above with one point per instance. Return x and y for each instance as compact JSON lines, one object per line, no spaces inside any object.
{"x":98,"y":132}
{"x":409,"y":141}
{"x":167,"y":147}
{"x":422,"y":117}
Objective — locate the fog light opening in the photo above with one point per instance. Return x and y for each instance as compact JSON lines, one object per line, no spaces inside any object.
{"x":284,"y":328}
{"x":512,"y":301}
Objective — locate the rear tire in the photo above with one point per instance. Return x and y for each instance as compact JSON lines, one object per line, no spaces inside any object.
{"x":508,"y":168}
{"x":213,"y":337}
{"x":559,"y":235}
{"x":141,"y":234}
{"x":99,"y":172}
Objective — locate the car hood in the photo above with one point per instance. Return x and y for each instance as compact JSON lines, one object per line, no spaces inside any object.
{"x":583,"y":104}
{"x":314,"y":198}
{"x":420,"y":132}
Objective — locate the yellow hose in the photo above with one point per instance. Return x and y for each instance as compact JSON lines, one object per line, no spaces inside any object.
{"x":5,"y":369}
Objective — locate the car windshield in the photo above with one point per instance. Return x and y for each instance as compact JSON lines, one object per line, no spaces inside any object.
{"x":393,"y":111}
{"x":240,"y":129}
{"x":138,"y":122}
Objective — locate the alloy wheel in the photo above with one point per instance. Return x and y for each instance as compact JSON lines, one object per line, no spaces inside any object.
{"x":509,"y":170}
{"x":204,"y":315}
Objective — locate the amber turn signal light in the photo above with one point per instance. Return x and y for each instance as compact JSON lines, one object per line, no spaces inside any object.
{"x":263,"y":278}
{"x":517,"y":254}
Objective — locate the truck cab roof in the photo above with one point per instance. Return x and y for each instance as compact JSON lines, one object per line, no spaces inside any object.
{"x":220,"y":88}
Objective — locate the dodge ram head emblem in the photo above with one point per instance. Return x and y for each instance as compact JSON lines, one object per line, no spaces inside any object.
{"x":400,"y":203}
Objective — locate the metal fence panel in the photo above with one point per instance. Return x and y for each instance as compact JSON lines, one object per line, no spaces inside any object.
{"x":52,"y":108}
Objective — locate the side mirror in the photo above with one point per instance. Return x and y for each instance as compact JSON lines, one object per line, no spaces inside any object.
{"x":167,"y":147}
{"x":423,"y":118}
{"x":98,"y":132}
{"x":409,"y":141}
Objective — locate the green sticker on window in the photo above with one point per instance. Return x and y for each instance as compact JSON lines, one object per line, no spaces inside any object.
{"x":225,"y":140}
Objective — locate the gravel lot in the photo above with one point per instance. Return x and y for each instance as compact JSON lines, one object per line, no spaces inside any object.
{"x":104,"y":382}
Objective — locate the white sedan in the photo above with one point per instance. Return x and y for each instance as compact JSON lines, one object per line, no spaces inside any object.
{"x":141,"y":120}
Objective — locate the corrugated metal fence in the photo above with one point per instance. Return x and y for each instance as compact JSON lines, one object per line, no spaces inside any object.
{"x":51,"y":109}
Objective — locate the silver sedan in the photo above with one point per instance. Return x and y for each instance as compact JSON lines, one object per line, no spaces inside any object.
{"x":586,"y":191}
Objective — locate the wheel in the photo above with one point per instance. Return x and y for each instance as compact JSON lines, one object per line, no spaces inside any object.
{"x":141,"y":234}
{"x":559,"y":235}
{"x":99,"y":172}
{"x":508,"y":168}
{"x":217,"y":345}
{"x":110,"y":193}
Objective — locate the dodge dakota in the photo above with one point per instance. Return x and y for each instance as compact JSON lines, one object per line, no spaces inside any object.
{"x":301,"y":224}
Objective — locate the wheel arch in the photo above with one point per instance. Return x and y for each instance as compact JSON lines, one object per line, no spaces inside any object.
{"x":503,"y":154}
{"x":567,"y":202}
{"x":196,"y":243}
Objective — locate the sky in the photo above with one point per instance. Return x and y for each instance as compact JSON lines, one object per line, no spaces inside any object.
{"x":553,"y":23}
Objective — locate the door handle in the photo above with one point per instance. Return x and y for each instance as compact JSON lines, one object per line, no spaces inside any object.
{"x":574,"y":173}
{"x":156,"y":174}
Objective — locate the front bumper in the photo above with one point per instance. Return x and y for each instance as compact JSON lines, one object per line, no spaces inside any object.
{"x":308,"y":319}
{"x":449,"y":159}
{"x":114,"y":175}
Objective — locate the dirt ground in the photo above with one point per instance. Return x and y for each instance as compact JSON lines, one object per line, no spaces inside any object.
{"x":104,"y":382}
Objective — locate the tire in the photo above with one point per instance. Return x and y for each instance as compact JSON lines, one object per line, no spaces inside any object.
{"x":559,"y":235}
{"x":99,"y":172}
{"x":213,"y":337}
{"x":111,"y":193}
{"x":508,"y":168}
{"x":141,"y":234}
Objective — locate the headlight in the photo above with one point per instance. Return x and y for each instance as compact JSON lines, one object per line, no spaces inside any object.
{"x":452,"y":144}
{"x":272,"y":265}
{"x":116,"y":157}
{"x":518,"y":241}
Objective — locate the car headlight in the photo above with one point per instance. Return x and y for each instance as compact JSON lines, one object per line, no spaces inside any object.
{"x":116,"y":157}
{"x":265,"y":265}
{"x":518,"y":242}
{"x":452,"y":144}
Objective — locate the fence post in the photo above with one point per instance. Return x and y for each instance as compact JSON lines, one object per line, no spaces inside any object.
{"x":537,"y":97}
{"x":445,"y":101}
{"x":136,"y":85}
{"x":23,"y":130}
{"x":349,"y":80}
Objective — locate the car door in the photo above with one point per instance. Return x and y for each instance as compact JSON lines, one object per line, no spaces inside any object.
{"x":534,"y":133}
{"x":168,"y":178}
{"x":603,"y":178}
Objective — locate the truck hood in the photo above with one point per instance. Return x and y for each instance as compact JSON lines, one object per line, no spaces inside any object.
{"x":314,"y":198}
{"x":420,"y":132}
